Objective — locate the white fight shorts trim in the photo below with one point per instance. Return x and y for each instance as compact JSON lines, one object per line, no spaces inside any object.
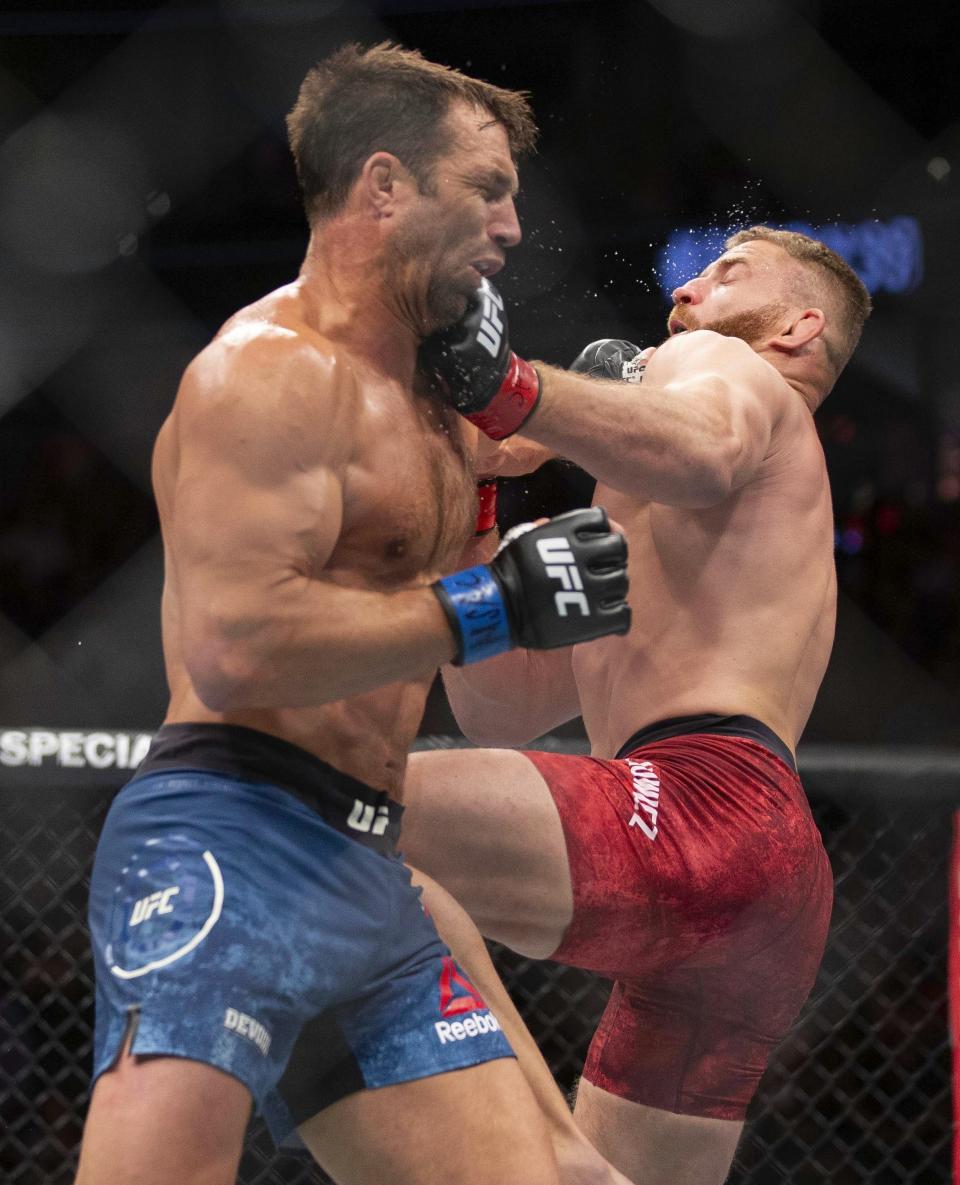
{"x":196,"y":939}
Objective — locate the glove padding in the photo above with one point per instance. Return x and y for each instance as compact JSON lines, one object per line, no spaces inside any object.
{"x":610,"y":358}
{"x":477,"y":372}
{"x":552,"y":585}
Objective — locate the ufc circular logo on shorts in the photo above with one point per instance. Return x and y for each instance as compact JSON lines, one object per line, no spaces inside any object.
{"x":163,"y":908}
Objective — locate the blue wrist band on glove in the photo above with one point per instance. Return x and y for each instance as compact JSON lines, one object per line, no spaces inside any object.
{"x":478,"y":612}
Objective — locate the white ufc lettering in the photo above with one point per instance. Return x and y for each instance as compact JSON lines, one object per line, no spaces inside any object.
{"x":364,"y":817}
{"x":559,"y":564}
{"x":490,"y":333}
{"x":158,"y":902}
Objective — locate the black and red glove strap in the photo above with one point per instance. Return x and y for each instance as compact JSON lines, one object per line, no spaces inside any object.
{"x":515,"y":401}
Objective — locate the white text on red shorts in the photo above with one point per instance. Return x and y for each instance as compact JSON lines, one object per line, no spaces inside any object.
{"x":646,"y":797}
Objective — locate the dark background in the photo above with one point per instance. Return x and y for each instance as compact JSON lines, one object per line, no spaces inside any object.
{"x":146,"y":192}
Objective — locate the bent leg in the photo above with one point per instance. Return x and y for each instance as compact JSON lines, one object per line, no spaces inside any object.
{"x":657,"y":1147}
{"x":483,"y":823}
{"x":579,"y":1161}
{"x":479,"y":1124}
{"x":156,"y":1120}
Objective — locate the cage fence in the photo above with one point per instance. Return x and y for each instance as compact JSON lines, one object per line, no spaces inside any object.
{"x":858,"y":1092}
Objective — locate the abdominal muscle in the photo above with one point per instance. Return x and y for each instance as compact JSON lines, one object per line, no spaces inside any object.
{"x":367,"y":736}
{"x":733,"y":613}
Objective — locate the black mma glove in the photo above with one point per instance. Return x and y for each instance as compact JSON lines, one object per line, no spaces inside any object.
{"x":552,"y":585}
{"x":610,"y":358}
{"x":477,"y":371}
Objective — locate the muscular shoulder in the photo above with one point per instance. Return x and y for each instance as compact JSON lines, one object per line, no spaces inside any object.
{"x":279,"y":389}
{"x":686,"y":355}
{"x":704,"y":363}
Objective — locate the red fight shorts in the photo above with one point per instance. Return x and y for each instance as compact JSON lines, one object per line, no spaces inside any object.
{"x":701,"y":887}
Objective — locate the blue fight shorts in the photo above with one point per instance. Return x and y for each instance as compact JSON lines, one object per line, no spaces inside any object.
{"x":260,"y":919}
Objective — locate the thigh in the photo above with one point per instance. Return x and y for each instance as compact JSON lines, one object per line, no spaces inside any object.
{"x":685,"y":1042}
{"x":479,"y":1125}
{"x":470,"y":951}
{"x":483,"y":823}
{"x":655,"y":1146}
{"x":685,"y":1049}
{"x":156,"y":1120}
{"x":419,"y":1015}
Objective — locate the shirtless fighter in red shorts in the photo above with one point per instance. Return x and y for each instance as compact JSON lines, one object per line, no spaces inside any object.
{"x":680,"y":859}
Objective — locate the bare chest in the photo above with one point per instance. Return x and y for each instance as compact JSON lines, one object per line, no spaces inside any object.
{"x":409,"y":496}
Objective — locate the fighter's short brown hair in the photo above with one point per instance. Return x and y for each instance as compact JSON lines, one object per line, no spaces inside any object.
{"x":382,"y":98}
{"x":833,"y":286}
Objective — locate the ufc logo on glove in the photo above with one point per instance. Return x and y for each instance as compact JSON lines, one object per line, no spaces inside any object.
{"x":490,"y":333}
{"x":494,"y":607}
{"x":560,"y":565}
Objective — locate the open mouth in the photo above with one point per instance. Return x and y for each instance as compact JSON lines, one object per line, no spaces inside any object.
{"x":675,"y":325}
{"x":486,"y":267}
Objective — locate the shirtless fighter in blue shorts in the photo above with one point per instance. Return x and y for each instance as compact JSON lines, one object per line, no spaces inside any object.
{"x":256,"y":936}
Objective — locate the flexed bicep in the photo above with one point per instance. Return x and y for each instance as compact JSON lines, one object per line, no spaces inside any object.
{"x":238,"y":541}
{"x":251,"y":495}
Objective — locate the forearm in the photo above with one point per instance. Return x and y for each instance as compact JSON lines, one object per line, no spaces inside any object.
{"x":508,"y":699}
{"x":698,"y":426}
{"x":513,"y":457}
{"x":639,"y":439}
{"x":317,"y":643}
{"x":513,"y":698}
{"x":475,"y":692}
{"x":277,"y":638}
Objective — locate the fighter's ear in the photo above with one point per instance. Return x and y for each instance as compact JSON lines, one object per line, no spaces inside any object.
{"x":805,"y":327}
{"x":384,"y":182}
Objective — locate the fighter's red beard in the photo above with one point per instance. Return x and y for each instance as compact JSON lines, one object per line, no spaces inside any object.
{"x":750,"y":326}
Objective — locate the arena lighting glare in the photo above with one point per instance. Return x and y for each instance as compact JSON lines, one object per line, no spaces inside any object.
{"x":887,"y":256}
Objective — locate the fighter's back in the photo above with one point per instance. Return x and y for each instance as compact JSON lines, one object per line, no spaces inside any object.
{"x":372,"y":489}
{"x":734,"y":603}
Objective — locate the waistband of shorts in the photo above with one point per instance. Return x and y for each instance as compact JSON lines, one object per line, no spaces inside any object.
{"x":370,"y":817}
{"x":709,"y":722}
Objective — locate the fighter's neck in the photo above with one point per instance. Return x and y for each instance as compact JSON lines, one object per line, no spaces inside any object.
{"x":345,"y":298}
{"x":810,"y":390}
{"x":361,"y":324}
{"x":798,"y":378}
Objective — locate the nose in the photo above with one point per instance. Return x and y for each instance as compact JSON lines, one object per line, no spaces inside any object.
{"x":505,"y":225}
{"x":688,"y":293}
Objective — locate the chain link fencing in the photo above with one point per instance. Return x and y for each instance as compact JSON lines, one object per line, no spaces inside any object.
{"x":859,"y":1092}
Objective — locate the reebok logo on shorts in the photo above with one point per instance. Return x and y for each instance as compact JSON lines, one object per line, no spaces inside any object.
{"x":474,"y":1025}
{"x":457,"y":993}
{"x":457,"y":996}
{"x":246,"y":1026}
{"x":646,"y":797}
